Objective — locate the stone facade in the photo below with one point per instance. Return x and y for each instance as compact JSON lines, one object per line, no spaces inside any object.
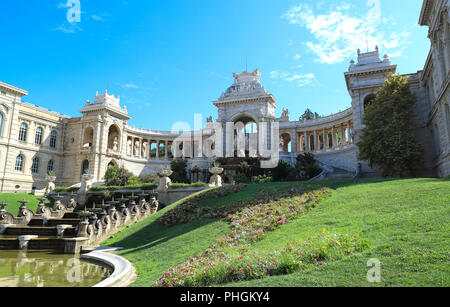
{"x":34,"y":140}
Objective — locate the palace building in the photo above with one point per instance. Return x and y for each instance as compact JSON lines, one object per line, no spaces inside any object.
{"x":34,"y":141}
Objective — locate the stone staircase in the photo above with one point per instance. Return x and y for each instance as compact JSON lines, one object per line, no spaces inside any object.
{"x":332,"y":172}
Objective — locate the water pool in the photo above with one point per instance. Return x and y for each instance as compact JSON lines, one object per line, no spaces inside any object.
{"x":47,"y":269}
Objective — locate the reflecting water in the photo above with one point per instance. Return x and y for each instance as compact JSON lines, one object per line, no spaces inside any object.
{"x":45,"y":269}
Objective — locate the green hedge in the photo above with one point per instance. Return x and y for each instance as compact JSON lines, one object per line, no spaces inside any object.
{"x":145,"y":186}
{"x":66,"y":189}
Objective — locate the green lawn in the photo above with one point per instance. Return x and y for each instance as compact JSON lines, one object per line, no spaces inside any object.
{"x":13,"y":205}
{"x":405,"y":221}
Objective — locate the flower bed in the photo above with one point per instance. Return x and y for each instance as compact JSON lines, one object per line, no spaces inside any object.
{"x":228,"y":260}
{"x":237,"y":264}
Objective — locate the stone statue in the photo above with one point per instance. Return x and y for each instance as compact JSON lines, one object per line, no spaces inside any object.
{"x":164,"y":181}
{"x":285,"y":115}
{"x":136,"y":148}
{"x":209,"y":119}
{"x":116,"y":144}
{"x":144,"y":150}
{"x":130,"y":148}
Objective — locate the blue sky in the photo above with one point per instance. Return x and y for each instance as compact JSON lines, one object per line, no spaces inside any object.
{"x":170,"y":59}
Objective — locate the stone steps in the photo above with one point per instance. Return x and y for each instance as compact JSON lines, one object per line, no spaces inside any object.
{"x":46,"y":231}
{"x":54,"y":222}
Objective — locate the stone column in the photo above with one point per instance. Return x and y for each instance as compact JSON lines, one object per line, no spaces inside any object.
{"x":349,"y":133}
{"x":315,"y":140}
{"x":157,"y":150}
{"x":342,"y":136}
{"x":305,"y":134}
{"x":166,"y":152}
{"x":323,"y":140}
{"x":333,"y":139}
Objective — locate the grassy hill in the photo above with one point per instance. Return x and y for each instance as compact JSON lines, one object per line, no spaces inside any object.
{"x":405,"y":223}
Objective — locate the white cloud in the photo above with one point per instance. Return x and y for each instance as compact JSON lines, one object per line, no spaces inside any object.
{"x":69,"y":28}
{"x":337,"y":34}
{"x":299,"y":80}
{"x":130,"y":85}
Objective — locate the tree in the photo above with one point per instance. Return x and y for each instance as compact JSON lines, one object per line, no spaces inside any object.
{"x":179,"y":168}
{"x":387,"y":141}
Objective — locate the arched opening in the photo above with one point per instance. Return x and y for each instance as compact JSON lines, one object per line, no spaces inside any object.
{"x":285,"y":143}
{"x":53,"y":138}
{"x":322,"y":141}
{"x":50,"y":166}
{"x":245,"y":136}
{"x":368,"y":100}
{"x":113,"y":138}
{"x":111,"y":164}
{"x":38,"y":137}
{"x":85,"y":167}
{"x":1,"y":123}
{"x":23,"y":132}
{"x":19,"y":163}
{"x":88,"y":138}
{"x":312,"y":143}
{"x":35,"y":166}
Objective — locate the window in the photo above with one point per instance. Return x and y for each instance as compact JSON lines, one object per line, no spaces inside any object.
{"x":85,"y":167}
{"x":19,"y":163}
{"x":53,"y":136}
{"x":50,"y":166}
{"x":35,"y":166}
{"x":23,"y":132}
{"x":38,"y":138}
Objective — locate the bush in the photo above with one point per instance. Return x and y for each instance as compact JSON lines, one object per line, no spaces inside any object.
{"x":263,"y":179}
{"x":241,"y":178}
{"x":66,"y":189}
{"x":148,"y":178}
{"x":133,"y":180}
{"x":284,"y":172}
{"x":179,"y":168}
{"x":307,"y":166}
{"x":116,"y":176}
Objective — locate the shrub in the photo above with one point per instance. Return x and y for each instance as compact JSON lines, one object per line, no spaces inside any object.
{"x":241,"y":178}
{"x":263,"y":179}
{"x":117,"y":176}
{"x":149,"y":178}
{"x":307,"y":166}
{"x":284,"y":172}
{"x":66,"y":189}
{"x":133,"y":180}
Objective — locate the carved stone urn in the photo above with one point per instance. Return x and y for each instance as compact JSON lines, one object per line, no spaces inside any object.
{"x":216,"y":180}
{"x":164,"y":181}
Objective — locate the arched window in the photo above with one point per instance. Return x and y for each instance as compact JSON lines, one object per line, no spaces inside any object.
{"x":368,"y":100}
{"x":19,"y":163}
{"x":23,"y":132}
{"x":35,"y":165}
{"x":38,"y":138}
{"x":50,"y":166}
{"x":53,"y":137}
{"x":1,"y":123}
{"x":85,"y":167}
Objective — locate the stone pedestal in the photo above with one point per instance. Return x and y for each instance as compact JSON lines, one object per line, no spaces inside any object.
{"x":216,"y":180}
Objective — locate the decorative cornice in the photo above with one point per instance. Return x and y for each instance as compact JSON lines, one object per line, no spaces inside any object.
{"x":13,"y":89}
